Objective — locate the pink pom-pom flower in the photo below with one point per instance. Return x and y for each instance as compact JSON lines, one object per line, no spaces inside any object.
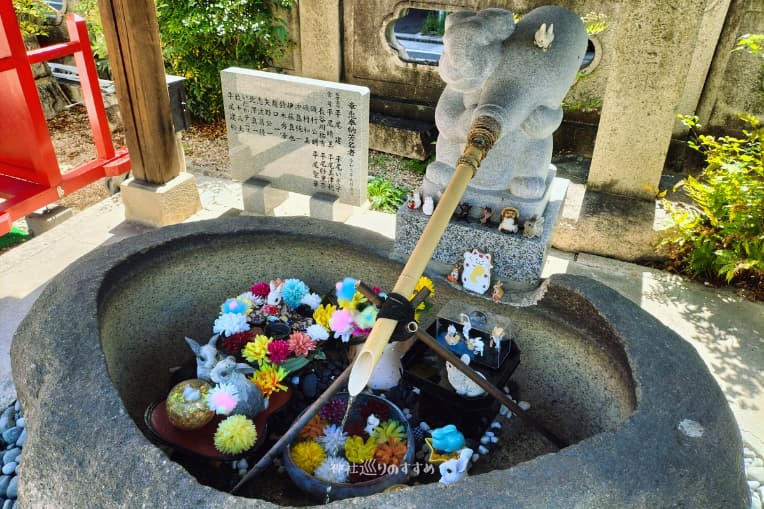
{"x":342,"y":324}
{"x":222,"y":399}
{"x":261,"y":289}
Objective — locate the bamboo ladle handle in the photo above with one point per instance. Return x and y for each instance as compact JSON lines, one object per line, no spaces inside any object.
{"x":481,"y":136}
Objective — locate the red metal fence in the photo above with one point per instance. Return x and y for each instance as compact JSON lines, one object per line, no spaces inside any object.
{"x":30,"y":177}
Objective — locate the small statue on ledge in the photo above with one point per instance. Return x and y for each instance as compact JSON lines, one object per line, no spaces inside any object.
{"x":509,"y":219}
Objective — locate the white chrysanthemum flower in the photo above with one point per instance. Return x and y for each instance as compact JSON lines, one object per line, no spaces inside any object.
{"x":312,"y":299}
{"x":248,"y":296}
{"x":317,"y":332}
{"x":333,"y":440}
{"x":334,"y":469}
{"x":229,"y":324}
{"x":223,"y":398}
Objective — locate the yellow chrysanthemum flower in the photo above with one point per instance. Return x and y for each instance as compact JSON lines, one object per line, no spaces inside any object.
{"x":267,"y":378}
{"x":352,"y":304}
{"x":235,"y":434}
{"x":423,"y":282}
{"x":323,"y":313}
{"x":257,"y":349}
{"x":358,"y":451}
{"x":307,"y":456}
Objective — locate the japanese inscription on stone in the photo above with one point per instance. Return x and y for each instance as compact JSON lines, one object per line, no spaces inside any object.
{"x":299,"y":134}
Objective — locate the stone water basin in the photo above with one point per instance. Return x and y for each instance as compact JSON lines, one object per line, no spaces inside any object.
{"x":649,"y":427}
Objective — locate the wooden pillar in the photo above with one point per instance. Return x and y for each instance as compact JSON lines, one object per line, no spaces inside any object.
{"x":132,"y":36}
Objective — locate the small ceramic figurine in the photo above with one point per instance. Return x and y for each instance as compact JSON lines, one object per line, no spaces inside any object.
{"x":509,"y":218}
{"x":533,"y":227}
{"x":251,"y":399}
{"x":487,"y":212}
{"x":496,"y":336}
{"x":414,"y":201}
{"x":461,"y":382}
{"x":274,"y":296}
{"x":498,"y":291}
{"x":466,"y":326}
{"x":454,"y":275}
{"x":372,"y":421}
{"x":206,"y":356}
{"x":429,"y":206}
{"x":447,"y":439}
{"x":476,"y":275}
{"x":476,"y":345}
{"x":462,"y":211}
{"x":544,"y":36}
{"x":452,"y":338}
{"x":455,"y":470}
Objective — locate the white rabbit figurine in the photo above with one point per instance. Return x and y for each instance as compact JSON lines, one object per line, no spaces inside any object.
{"x":274,"y":296}
{"x":455,"y":470}
{"x":206,"y":356}
{"x":428,"y":207}
{"x":372,"y":421}
{"x":461,"y":382}
{"x":477,"y":345}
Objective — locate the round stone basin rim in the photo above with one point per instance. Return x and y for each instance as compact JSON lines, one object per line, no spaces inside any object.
{"x":83,"y":448}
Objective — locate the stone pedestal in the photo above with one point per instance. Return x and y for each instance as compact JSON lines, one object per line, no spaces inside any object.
{"x":161,"y":205}
{"x":517,"y":260}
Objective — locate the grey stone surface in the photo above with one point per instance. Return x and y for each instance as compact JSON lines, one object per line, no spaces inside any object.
{"x":42,"y":221}
{"x":299,"y":134}
{"x":598,"y":369}
{"x":493,"y":68}
{"x":516,"y":259}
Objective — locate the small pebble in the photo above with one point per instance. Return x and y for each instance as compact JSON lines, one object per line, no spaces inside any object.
{"x":496,"y":425}
{"x":9,"y":468}
{"x":755,"y":474}
{"x":12,"y":434}
{"x":16,"y":470}
{"x":7,"y":419}
{"x":755,"y":501}
{"x":17,"y":406}
{"x":524,"y":405}
{"x":751,"y":484}
{"x":21,"y":423}
{"x":7,"y":504}
{"x":482,"y":449}
{"x":13,"y":487}
{"x":5,"y":480}
{"x":484,"y":440}
{"x":11,"y":455}
{"x":22,"y":438}
{"x":747,"y":453}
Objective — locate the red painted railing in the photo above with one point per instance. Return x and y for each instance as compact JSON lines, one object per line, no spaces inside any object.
{"x":30,"y":177}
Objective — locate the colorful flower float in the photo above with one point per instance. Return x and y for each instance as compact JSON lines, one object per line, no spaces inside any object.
{"x":327,"y":458}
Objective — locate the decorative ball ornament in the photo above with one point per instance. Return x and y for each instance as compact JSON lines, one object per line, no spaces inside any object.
{"x":187,"y":404}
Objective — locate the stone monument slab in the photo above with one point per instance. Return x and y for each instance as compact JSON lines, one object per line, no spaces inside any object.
{"x":298,"y":134}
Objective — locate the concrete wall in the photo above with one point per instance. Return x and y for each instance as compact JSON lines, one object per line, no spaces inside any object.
{"x":657,"y":59}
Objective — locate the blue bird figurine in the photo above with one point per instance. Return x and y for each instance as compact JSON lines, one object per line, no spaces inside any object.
{"x":447,"y":439}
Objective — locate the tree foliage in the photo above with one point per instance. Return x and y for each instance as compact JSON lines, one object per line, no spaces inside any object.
{"x":200,"y":38}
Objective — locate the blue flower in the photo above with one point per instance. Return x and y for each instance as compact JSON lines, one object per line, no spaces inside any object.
{"x":293,"y":292}
{"x":236,"y":306}
{"x":346,"y":289}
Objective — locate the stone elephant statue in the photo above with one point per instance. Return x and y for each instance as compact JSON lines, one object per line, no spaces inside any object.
{"x":517,"y":74}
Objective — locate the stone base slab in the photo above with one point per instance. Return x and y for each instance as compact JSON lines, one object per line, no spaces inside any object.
{"x":161,"y":205}
{"x":517,"y":260}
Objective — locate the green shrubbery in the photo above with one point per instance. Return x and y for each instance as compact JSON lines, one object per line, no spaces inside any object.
{"x":199,"y":39}
{"x":31,"y":15}
{"x":722,"y":233}
{"x":384,"y":195}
